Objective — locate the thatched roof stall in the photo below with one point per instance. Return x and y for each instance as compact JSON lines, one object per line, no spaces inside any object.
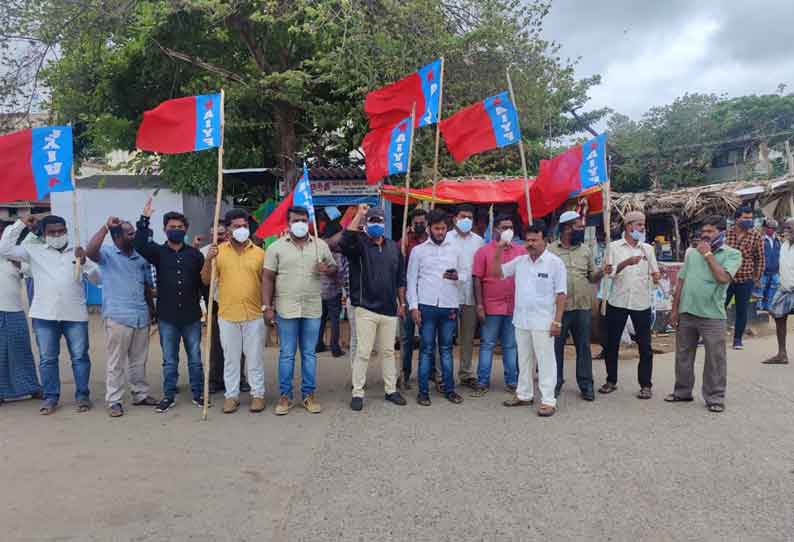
{"x":683,"y":209}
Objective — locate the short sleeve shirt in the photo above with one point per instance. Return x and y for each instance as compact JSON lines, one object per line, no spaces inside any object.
{"x":702,"y":295}
{"x":499,"y":295}
{"x":538,"y":283}
{"x":297,"y":289}
{"x":578,"y":262}
{"x":631,"y":288}
{"x":239,"y":282}
{"x":124,"y":279}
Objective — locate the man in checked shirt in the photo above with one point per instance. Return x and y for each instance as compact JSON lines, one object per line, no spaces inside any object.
{"x":750,"y":243}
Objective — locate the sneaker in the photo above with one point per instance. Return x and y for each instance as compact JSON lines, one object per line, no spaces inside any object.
{"x":395,"y":398}
{"x":423,"y":399}
{"x":165,"y":404}
{"x":283,"y":406}
{"x":588,"y":395}
{"x":454,"y":397}
{"x":737,"y":345}
{"x":257,"y":404}
{"x":116,"y":410}
{"x":311,"y":404}
{"x":356,"y":403}
{"x":230,"y":405}
{"x":199,"y":402}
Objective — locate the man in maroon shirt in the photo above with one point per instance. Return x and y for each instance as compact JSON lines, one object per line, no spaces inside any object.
{"x":415,"y":235}
{"x":495,"y":298}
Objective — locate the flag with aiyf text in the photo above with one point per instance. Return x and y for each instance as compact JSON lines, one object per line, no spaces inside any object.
{"x":489,"y":124}
{"x":35,"y":162}
{"x":386,"y":151}
{"x":388,"y":105}
{"x":276,"y":222}
{"x":182,"y":125}
{"x":584,"y":166}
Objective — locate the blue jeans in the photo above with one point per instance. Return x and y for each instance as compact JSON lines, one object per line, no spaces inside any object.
{"x":577,"y":323}
{"x":441,"y":323}
{"x":48,"y":339}
{"x":497,"y":326}
{"x":407,"y":347}
{"x":742,"y":292}
{"x":190,"y":334}
{"x":294,"y":332}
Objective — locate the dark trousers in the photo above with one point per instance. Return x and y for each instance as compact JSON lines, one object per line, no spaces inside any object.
{"x":616,"y":321}
{"x":332,"y":308}
{"x":216,"y":355}
{"x":741,"y":291}
{"x":577,"y":323}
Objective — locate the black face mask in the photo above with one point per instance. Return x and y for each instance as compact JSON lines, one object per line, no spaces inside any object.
{"x":419,"y":229}
{"x":127,"y":244}
{"x":577,"y":237}
{"x":175,"y":236}
{"x":433,"y":237}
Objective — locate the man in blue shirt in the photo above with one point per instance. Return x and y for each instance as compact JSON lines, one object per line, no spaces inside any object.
{"x":126,"y":311}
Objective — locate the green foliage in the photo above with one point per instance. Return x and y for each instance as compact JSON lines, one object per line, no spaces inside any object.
{"x":295,"y":74}
{"x":673,"y":145}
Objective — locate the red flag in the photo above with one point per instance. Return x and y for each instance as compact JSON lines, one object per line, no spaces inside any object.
{"x":468,"y":132}
{"x":386,"y":150}
{"x":181,"y":125}
{"x":388,"y":105}
{"x":276,"y":222}
{"x":557,"y":180}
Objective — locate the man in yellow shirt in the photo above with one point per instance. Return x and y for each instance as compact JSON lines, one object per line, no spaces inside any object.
{"x":239,"y":264}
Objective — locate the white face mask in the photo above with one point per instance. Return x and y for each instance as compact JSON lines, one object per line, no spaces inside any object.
{"x":299,"y":229}
{"x":58,"y":243}
{"x":506,"y":236}
{"x":241,"y":235}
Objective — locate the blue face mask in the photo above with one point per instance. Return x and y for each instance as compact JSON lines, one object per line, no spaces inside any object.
{"x":464,"y":225}
{"x":638,"y":236}
{"x":376,"y":229}
{"x":746,"y":224}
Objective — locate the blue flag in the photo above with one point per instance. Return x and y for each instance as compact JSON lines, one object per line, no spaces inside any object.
{"x":303,"y":194}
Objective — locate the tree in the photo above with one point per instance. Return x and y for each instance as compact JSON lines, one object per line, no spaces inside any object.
{"x":295,"y":72}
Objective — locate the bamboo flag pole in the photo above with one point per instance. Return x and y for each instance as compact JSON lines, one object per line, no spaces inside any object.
{"x":78,"y":264}
{"x":214,"y":278}
{"x":521,"y":150}
{"x":408,"y":179}
{"x":607,"y":213}
{"x":438,"y":134}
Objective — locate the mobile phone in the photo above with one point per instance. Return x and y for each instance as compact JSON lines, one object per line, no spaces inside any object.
{"x":451,"y":271}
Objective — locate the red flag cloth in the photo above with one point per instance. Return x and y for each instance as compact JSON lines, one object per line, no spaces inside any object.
{"x":468,"y":132}
{"x":182,"y":125}
{"x":17,"y":174}
{"x":276,"y":222}
{"x":557,"y":180}
{"x":349,"y":215}
{"x":376,"y":153}
{"x":388,"y":105}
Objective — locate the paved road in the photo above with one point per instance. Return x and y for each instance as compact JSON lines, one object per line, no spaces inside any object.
{"x":617,"y":469}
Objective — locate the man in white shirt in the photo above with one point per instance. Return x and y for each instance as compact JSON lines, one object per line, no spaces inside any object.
{"x":783,"y":303}
{"x":466,"y":243}
{"x":59,"y":306}
{"x":541,"y":286}
{"x":18,"y":376}
{"x":433,"y":299}
{"x":632,"y":264}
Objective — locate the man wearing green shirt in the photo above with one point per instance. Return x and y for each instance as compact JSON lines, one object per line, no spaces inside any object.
{"x":699,"y":311}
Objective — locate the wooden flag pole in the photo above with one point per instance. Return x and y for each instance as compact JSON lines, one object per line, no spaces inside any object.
{"x":316,"y":233}
{"x":438,"y":134}
{"x":408,"y":179}
{"x":606,"y":204}
{"x":214,"y":278}
{"x":521,"y":150}
{"x":78,"y":265}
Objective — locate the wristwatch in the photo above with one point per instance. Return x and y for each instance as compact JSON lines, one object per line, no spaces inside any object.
{"x":265,"y":308}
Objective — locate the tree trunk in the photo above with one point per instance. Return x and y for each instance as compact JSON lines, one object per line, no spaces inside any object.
{"x":285,"y":117}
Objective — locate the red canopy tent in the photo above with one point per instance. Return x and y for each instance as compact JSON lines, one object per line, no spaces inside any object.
{"x":545,"y":197}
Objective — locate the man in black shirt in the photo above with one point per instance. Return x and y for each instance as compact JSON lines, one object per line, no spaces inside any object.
{"x":377,"y":293}
{"x":179,"y":289}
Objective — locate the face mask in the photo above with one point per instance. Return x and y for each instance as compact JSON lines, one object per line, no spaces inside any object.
{"x":437,"y":241}
{"x":464,"y":225}
{"x":718,"y":241}
{"x":241,"y":235}
{"x":638,"y":236}
{"x":577,"y":237}
{"x":746,"y":223}
{"x":419,"y":229}
{"x":376,"y":229}
{"x":507,"y":236}
{"x":58,"y":243}
{"x":175,"y":236}
{"x":299,"y":229}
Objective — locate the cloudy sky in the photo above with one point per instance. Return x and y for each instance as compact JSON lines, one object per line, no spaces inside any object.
{"x":649,"y":52}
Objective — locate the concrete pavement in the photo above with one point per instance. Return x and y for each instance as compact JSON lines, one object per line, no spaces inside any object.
{"x":616,"y":469}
